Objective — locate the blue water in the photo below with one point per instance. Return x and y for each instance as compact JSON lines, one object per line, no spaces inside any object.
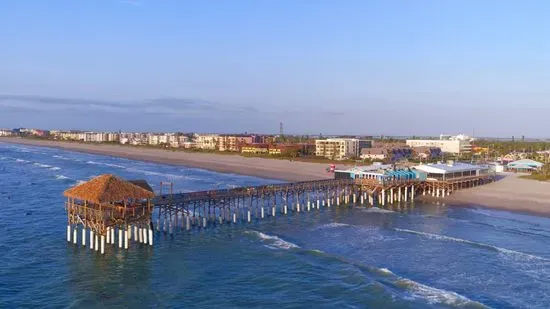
{"x":429,"y":256}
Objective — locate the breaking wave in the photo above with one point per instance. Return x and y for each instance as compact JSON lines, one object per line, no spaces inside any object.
{"x":105,"y":164}
{"x":476,"y":244}
{"x":41,"y":165}
{"x":55,"y":168}
{"x":378,"y":210}
{"x":21,"y":160}
{"x":166,"y":175}
{"x":61,"y":177}
{"x":273,"y":242}
{"x":332,"y":225}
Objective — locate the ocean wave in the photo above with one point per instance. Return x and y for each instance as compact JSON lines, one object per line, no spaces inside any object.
{"x":79,"y":182}
{"x":378,"y":210}
{"x":273,"y":242}
{"x":41,"y":165}
{"x":55,"y":168}
{"x":106,"y":164}
{"x":61,"y":177}
{"x":21,"y":160}
{"x":436,"y":296}
{"x":166,"y":175}
{"x":331,"y":225}
{"x":476,"y":244}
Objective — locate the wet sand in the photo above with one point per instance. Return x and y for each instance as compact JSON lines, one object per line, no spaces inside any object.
{"x":509,"y":193}
{"x":224,"y":163}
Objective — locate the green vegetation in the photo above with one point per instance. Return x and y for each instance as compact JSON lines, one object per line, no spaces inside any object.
{"x":542,"y":175}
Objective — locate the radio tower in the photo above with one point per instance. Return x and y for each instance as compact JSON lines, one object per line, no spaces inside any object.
{"x":281,"y":133}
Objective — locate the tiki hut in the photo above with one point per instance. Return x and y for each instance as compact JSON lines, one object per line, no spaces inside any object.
{"x":107,"y":203}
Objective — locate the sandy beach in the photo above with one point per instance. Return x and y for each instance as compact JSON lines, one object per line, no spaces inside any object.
{"x":259,"y":167}
{"x":509,"y":193}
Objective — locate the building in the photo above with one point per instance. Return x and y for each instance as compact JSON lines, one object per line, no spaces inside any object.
{"x":374,"y":154}
{"x":427,"y":153}
{"x":255,"y":149}
{"x":208,"y":142}
{"x":524,"y":165}
{"x":337,"y":148}
{"x":234,"y":143}
{"x":284,"y":149}
{"x":380,"y":172}
{"x":6,"y":132}
{"x":452,"y":170}
{"x":454,"y":146}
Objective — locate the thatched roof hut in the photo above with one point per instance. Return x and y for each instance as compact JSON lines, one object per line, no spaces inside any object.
{"x":142,"y":183}
{"x":108,"y":189}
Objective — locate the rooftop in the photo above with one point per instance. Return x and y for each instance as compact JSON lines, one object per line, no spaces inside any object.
{"x":449,"y":168}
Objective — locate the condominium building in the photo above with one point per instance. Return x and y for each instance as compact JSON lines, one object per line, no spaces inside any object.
{"x":5,"y":132}
{"x":233,"y":143}
{"x":209,"y":141}
{"x":454,"y":146}
{"x":337,"y":148}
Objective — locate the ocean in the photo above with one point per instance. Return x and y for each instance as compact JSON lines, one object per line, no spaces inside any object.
{"x":421,"y":256}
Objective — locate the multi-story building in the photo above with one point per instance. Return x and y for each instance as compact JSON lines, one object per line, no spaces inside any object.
{"x":209,"y":141}
{"x":255,"y":148}
{"x":234,"y":143}
{"x":6,"y":132}
{"x":337,"y":148}
{"x":112,"y":137}
{"x":454,"y":146}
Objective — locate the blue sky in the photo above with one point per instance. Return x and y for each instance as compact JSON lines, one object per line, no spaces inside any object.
{"x":360,"y":67}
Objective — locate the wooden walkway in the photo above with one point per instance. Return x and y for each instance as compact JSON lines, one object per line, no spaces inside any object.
{"x":184,"y":211}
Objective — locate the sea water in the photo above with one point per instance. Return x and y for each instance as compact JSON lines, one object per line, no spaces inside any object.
{"x":426,"y":256}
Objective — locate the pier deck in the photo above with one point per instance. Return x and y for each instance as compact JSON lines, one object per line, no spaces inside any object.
{"x":106,"y":217}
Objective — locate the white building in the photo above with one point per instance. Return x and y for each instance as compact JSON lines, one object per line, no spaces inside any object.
{"x":451,"y":170}
{"x":337,"y":148}
{"x":206,"y":141}
{"x":5,"y":132}
{"x":455,"y":146}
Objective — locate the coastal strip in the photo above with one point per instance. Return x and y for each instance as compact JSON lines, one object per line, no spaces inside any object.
{"x":259,"y":167}
{"x":511,"y":193}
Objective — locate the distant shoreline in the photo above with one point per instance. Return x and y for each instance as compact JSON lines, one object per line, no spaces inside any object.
{"x":258,"y":167}
{"x":511,"y":193}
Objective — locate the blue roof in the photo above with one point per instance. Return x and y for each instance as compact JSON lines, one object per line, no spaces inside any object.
{"x":525,"y":163}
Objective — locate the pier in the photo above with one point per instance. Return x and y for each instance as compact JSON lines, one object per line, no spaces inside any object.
{"x":115,"y":211}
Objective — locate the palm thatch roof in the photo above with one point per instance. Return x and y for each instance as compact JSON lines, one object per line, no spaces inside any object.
{"x":142,"y":183}
{"x":108,"y":188}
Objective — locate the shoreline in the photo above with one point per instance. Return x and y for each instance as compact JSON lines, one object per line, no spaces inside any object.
{"x":232,"y":164}
{"x":511,"y":193}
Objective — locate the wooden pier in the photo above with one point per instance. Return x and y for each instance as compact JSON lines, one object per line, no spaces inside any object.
{"x":122,"y":207}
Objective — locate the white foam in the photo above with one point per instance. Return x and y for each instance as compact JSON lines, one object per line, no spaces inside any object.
{"x":473,"y":243}
{"x":378,"y":210}
{"x":79,"y":182}
{"x":41,"y":165}
{"x":21,"y":160}
{"x":165,"y":175}
{"x":436,"y":296}
{"x":385,"y":271}
{"x":332,"y":225}
{"x":274,"y":242}
{"x":106,"y":164}
{"x":55,"y":168}
{"x":61,"y":177}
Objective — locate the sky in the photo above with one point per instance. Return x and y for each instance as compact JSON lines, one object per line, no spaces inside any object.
{"x":391,"y":67}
